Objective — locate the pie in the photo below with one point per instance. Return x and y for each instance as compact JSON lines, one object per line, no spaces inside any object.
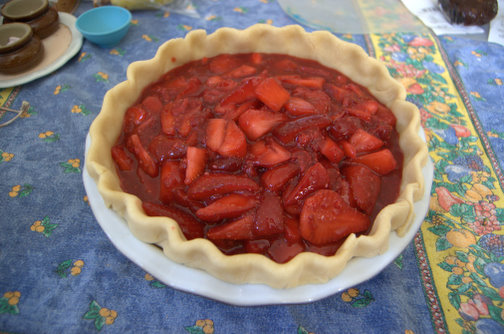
{"x":268,"y":155}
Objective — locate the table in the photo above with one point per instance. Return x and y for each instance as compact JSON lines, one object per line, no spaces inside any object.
{"x":59,"y":273}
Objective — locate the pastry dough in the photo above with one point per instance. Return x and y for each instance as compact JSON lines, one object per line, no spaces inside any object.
{"x":305,"y":268}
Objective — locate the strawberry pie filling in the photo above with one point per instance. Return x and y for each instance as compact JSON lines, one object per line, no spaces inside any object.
{"x":261,"y":153}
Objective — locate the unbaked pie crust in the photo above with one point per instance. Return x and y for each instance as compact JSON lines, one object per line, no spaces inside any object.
{"x":306,"y":267}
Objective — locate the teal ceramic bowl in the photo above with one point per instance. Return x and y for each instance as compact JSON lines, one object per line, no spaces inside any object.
{"x":104,"y":26}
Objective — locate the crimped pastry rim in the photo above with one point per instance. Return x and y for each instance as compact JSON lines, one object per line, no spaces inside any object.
{"x":305,"y":268}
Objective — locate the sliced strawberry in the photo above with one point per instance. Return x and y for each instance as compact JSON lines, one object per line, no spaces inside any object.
{"x":386,"y":115}
{"x":242,"y":71}
{"x":345,"y":127}
{"x":311,"y":82}
{"x":364,"y":110}
{"x":272,"y":94}
{"x":211,"y":184}
{"x":320,"y":100}
{"x":297,"y":106}
{"x":244,"y":92}
{"x":234,"y":143}
{"x":240,"y":229}
{"x":288,"y":131}
{"x":363,"y":141}
{"x":163,"y":147}
{"x":268,"y":153}
{"x":281,"y":251}
{"x":365,"y":186}
{"x":226,"y":164}
{"x":145,"y":160}
{"x":286,"y":65}
{"x":215,"y":132}
{"x":168,"y":120}
{"x":121,"y":158}
{"x":191,"y":88}
{"x":229,"y":206}
{"x":133,"y":117}
{"x":258,"y":246}
{"x":258,"y":122}
{"x":274,"y":179}
{"x":382,"y":162}
{"x":220,"y":83}
{"x":153,"y":104}
{"x":269,"y":217}
{"x":326,"y":218}
{"x":196,"y":159}
{"x":348,"y":149}
{"x":291,"y":230}
{"x":223,"y":63}
{"x":331,"y":150}
{"x":188,"y":224}
{"x":304,"y":159}
{"x":310,"y":139}
{"x":256,"y":58}
{"x":171,"y":177}
{"x":315,"y":178}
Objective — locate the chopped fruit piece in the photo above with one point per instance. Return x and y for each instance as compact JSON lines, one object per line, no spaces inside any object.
{"x":331,"y":150}
{"x":345,"y":127}
{"x":244,"y":92}
{"x":320,"y":100}
{"x":312,"y":82}
{"x":145,"y":160}
{"x":326,"y":218}
{"x":382,"y":162}
{"x":121,"y":158}
{"x":269,"y":217}
{"x":282,"y":251}
{"x":163,"y":147}
{"x":240,"y":229}
{"x":152,"y":104}
{"x":291,"y":230}
{"x":196,"y":159}
{"x":310,"y":139}
{"x":315,"y":178}
{"x":386,"y":116}
{"x":297,"y":106}
{"x":364,"y":110}
{"x":230,"y":164}
{"x":191,"y":88}
{"x":242,"y":71}
{"x":256,"y":58}
{"x":348,"y":149}
{"x":364,"y":186}
{"x":234,"y":143}
{"x":222,"y":84}
{"x":212,"y":184}
{"x":229,"y":206}
{"x":274,"y":179}
{"x":258,"y":246}
{"x":223,"y":63}
{"x":134,"y":116}
{"x":363,"y":141}
{"x":258,"y":122}
{"x":268,"y":153}
{"x":168,"y":120}
{"x":288,"y":131}
{"x":272,"y":94}
{"x":215,"y":131}
{"x":171,"y":177}
{"x":188,"y":224}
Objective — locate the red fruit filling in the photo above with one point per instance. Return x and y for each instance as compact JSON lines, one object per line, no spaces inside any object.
{"x":261,"y":153}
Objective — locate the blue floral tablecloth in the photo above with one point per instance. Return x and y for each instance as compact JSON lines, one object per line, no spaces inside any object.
{"x":59,"y":273}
